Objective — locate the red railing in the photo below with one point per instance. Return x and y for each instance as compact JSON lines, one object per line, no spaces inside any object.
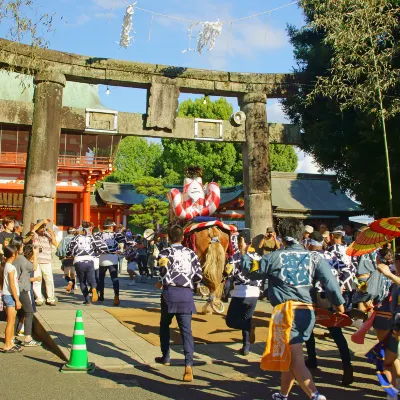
{"x":63,"y":160}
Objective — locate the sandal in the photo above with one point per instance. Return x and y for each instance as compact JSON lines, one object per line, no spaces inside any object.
{"x":14,"y":349}
{"x":32,"y":343}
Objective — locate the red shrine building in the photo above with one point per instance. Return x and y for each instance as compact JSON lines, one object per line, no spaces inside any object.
{"x":85,"y":156}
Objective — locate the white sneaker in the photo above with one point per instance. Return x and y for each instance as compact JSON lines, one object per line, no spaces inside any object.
{"x":133,"y":283}
{"x":392,"y":397}
{"x":319,"y":397}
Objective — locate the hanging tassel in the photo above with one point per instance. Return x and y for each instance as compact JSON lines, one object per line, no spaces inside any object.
{"x":127,"y":25}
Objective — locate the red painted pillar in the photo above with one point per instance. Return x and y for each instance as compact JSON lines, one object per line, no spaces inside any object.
{"x":86,"y":204}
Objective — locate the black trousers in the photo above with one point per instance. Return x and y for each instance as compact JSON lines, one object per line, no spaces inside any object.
{"x":142,"y":265}
{"x":113,"y":269}
{"x":86,"y":276}
{"x":26,"y":311}
{"x":340,"y":341}
{"x":185,"y":327}
{"x":240,"y":314}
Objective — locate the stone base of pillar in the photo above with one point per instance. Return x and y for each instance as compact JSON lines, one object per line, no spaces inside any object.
{"x":258,"y":213}
{"x":37,"y":208}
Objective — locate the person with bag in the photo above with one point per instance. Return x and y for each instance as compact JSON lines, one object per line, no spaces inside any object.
{"x":10,"y":288}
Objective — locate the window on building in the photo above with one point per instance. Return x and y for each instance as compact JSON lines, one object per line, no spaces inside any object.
{"x":65,"y":214}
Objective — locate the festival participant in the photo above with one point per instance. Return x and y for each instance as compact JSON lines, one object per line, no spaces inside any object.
{"x":141,"y":249}
{"x":342,"y":263}
{"x":269,"y":242}
{"x":180,"y":275}
{"x":327,"y":239}
{"x":109,"y":260}
{"x":308,"y":230}
{"x":132,"y":259}
{"x":67,"y":263}
{"x":10,"y":288}
{"x":83,"y":248}
{"x":291,"y":275}
{"x":391,"y":362}
{"x":244,"y":298}
{"x":24,"y":268}
{"x":348,"y":234}
{"x":323,"y":228}
{"x":44,"y":238}
{"x":96,"y":257}
{"x":315,"y":245}
{"x":233,"y":263}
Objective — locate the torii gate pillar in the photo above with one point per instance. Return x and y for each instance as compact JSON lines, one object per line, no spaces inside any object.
{"x":256,"y":164}
{"x":44,"y":148}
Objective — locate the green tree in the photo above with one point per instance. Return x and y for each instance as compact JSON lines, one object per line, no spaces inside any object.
{"x":154,"y":209}
{"x":361,"y":75}
{"x":340,"y":136}
{"x":221,"y":162}
{"x":136,"y":158}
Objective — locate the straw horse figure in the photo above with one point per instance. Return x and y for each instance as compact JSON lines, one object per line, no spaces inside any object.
{"x":211,"y":246}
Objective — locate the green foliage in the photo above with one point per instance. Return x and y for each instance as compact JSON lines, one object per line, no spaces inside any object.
{"x":344,"y":139}
{"x":218,"y":109}
{"x":221,"y":162}
{"x":136,"y":158}
{"x":153,"y":210}
{"x":282,"y":158}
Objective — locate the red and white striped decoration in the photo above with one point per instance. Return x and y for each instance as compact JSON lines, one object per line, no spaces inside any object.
{"x":194,"y":202}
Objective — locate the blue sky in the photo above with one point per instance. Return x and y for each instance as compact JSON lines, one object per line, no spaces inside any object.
{"x":260,"y":44}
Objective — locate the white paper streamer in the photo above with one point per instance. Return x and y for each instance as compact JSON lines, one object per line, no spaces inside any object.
{"x":127,"y":25}
{"x":208,"y":34}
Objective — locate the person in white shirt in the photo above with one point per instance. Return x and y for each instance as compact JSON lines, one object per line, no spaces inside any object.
{"x":10,"y":288}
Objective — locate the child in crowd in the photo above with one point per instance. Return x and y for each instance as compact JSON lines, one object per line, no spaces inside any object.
{"x":10,"y":288}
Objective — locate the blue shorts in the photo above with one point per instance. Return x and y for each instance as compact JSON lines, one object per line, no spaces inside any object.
{"x":303,"y":325}
{"x":8,"y":300}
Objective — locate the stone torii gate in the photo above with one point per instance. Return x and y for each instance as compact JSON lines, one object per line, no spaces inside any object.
{"x":164,"y":84}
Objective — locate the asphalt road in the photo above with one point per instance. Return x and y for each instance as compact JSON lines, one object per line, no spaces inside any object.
{"x":35,"y":374}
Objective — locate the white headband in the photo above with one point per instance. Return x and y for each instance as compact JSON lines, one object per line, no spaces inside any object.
{"x":313,"y":242}
{"x":289,"y":239}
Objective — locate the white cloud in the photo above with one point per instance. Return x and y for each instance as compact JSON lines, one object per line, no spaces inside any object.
{"x":82,"y":19}
{"x":276,"y":114}
{"x":306,"y":163}
{"x":110,"y":4}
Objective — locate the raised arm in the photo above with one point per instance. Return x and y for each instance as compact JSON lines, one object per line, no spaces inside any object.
{"x":385,"y":270}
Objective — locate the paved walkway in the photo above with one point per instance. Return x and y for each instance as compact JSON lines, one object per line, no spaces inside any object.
{"x":113,"y":347}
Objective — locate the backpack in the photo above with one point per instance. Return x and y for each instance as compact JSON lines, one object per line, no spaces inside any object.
{"x":63,"y":247}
